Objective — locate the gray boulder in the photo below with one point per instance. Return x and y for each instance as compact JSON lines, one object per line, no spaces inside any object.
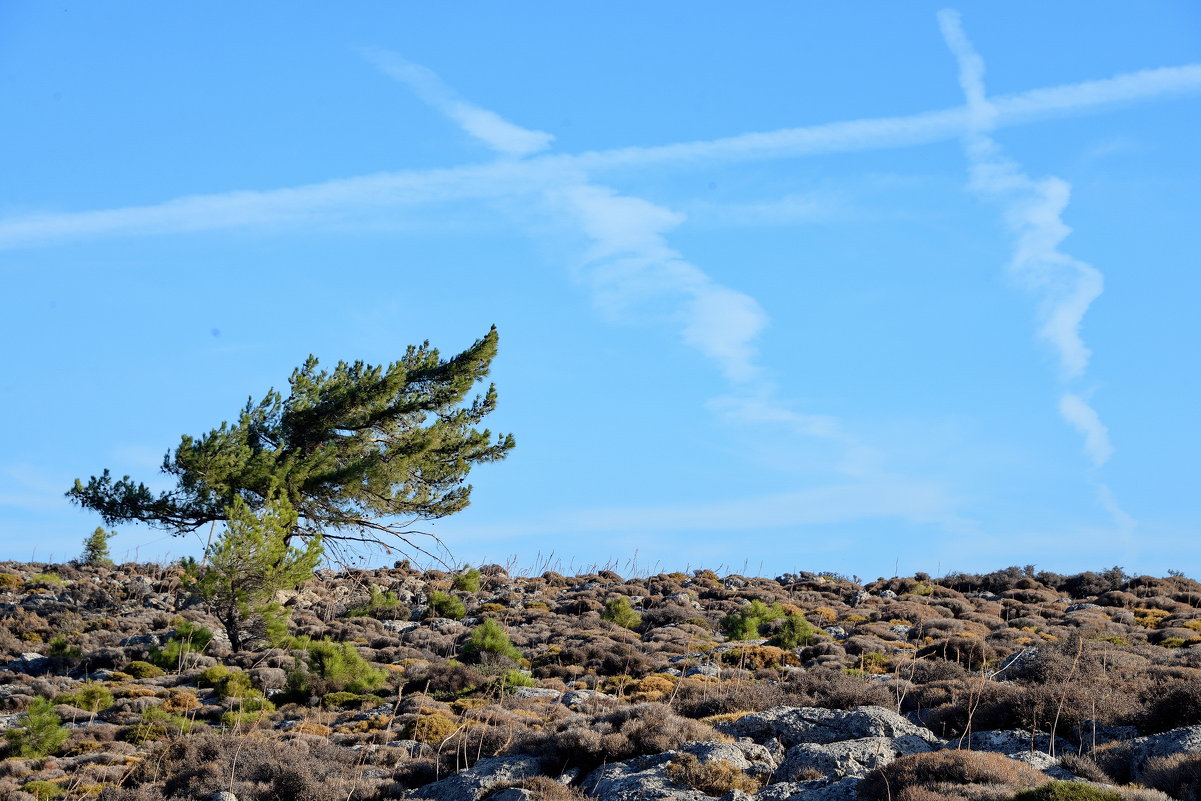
{"x":639,"y":779}
{"x":849,"y":757}
{"x":1013,"y":741}
{"x":473,"y":783}
{"x":745,"y":755}
{"x":1185,"y":740}
{"x":845,"y":789}
{"x":512,"y":794}
{"x":795,"y":725}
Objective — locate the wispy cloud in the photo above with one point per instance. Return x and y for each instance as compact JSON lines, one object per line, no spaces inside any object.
{"x":1085,"y":419}
{"x":1033,"y":210}
{"x":629,"y":267}
{"x":915,"y":501}
{"x":631,"y":263}
{"x":487,"y":126}
{"x":334,"y":200}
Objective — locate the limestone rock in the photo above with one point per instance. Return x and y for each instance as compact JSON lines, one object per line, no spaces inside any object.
{"x":1185,"y":740}
{"x":849,"y":757}
{"x":795,"y":725}
{"x":473,"y":783}
{"x":639,"y":779}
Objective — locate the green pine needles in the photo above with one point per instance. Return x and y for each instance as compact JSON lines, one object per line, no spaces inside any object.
{"x":95,"y":548}
{"x":250,"y":563}
{"x":619,"y":611}
{"x":744,"y":624}
{"x":360,"y":453}
{"x":443,"y":604}
{"x":39,"y":731}
{"x":489,"y":644}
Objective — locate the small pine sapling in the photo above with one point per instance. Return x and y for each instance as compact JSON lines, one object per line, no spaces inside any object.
{"x":95,"y":548}
{"x":619,"y":611}
{"x":39,"y":732}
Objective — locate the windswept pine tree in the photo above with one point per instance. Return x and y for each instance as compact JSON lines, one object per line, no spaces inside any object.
{"x":361,"y":453}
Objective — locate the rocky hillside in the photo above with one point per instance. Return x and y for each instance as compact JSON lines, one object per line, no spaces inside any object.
{"x":115,"y":682}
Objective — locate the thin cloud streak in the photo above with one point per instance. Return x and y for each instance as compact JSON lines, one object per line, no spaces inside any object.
{"x":341,"y":196}
{"x":1085,"y":420}
{"x":631,"y":264}
{"x":487,"y":126}
{"x":1033,"y":210}
{"x":916,"y":501}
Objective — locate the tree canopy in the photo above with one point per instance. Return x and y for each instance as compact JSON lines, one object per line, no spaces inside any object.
{"x":361,"y":453}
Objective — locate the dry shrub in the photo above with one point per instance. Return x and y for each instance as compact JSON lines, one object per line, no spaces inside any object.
{"x":253,"y":768}
{"x":656,"y":687}
{"x":702,"y":699}
{"x":756,"y":657}
{"x":1173,"y":703}
{"x":833,"y":689}
{"x":180,"y":701}
{"x":630,"y":731}
{"x":442,"y":679}
{"x":432,"y":728}
{"x":939,"y":768}
{"x":541,"y":788}
{"x":1179,"y":776}
{"x":1085,"y":768}
{"x":715,"y":777}
{"x":971,"y":653}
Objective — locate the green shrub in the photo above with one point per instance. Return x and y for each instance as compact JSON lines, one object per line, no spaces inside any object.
{"x":236,"y":685}
{"x":191,"y":569}
{"x":228,"y":683}
{"x":157,"y":723}
{"x":39,"y":732}
{"x":1067,"y":791}
{"x":91,"y":696}
{"x":344,"y":699}
{"x":43,"y":790}
{"x":44,"y":579}
{"x":744,"y":624}
{"x":212,"y":676}
{"x":9,"y":581}
{"x":338,"y":665}
{"x":515,"y":678}
{"x":59,"y":646}
{"x":444,"y":604}
{"x":795,"y":632}
{"x":188,"y":638}
{"x":619,"y":611}
{"x":249,"y":712}
{"x":143,"y":670}
{"x":381,"y":605}
{"x":468,"y":580}
{"x":488,"y":642}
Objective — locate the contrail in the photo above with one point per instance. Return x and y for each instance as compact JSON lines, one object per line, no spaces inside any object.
{"x":1033,"y":209}
{"x":304,"y":204}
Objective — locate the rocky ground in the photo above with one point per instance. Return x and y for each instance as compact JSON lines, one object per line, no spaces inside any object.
{"x":115,"y":682}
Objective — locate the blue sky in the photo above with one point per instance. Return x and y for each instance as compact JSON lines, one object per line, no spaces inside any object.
{"x":782,"y":287}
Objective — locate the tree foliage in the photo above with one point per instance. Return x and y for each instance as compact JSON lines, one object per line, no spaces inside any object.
{"x":361,"y":453}
{"x":95,"y":548}
{"x":251,"y":562}
{"x":38,"y":732}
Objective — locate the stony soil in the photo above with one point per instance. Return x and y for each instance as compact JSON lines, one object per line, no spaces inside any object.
{"x":964,"y":687}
